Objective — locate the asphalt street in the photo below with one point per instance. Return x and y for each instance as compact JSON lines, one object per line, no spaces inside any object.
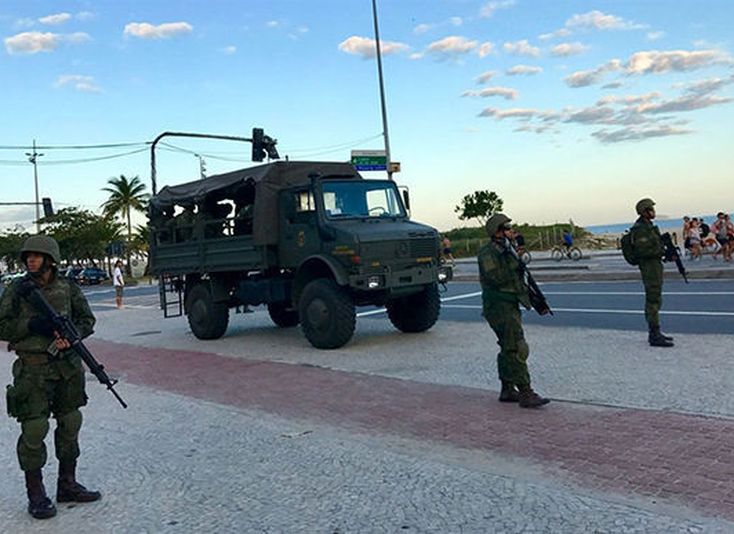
{"x":702,"y":306}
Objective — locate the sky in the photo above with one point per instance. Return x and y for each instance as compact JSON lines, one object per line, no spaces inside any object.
{"x":566,"y":109}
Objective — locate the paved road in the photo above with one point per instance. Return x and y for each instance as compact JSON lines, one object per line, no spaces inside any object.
{"x":703,"y":306}
{"x":259,"y":432}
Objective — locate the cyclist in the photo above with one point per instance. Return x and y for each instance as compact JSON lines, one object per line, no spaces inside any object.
{"x":567,"y":241}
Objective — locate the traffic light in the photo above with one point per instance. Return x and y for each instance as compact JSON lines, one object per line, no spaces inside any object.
{"x":258,"y":147}
{"x":48,"y":209}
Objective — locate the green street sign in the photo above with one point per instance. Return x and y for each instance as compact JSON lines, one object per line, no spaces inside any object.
{"x":369,"y":160}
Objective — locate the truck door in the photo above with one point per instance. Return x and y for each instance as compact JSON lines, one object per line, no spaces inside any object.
{"x":299,"y":237}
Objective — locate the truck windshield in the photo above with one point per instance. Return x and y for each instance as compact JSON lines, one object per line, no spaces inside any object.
{"x":361,"y":198}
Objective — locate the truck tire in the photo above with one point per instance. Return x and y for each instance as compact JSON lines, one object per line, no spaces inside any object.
{"x":415,"y":313}
{"x":282,"y":315}
{"x":327,"y":314}
{"x":207,"y":319}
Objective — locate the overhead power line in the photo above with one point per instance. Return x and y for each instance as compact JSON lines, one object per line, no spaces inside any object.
{"x":73,"y":147}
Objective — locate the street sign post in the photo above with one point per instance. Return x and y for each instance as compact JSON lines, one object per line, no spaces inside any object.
{"x":369,"y":160}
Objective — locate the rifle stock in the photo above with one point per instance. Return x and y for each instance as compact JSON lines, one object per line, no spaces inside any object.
{"x":68,"y":331}
{"x":537,"y":299}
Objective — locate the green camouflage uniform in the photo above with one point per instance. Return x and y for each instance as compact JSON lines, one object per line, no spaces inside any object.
{"x":502,"y":292}
{"x":649,"y":249}
{"x":44,"y":385}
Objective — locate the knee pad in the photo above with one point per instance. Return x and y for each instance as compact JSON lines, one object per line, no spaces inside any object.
{"x":33,"y":432}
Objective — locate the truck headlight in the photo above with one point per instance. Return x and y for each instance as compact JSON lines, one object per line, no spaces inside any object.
{"x":373,"y":282}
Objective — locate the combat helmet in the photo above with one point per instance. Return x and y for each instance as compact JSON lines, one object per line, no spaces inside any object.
{"x":642,"y":205}
{"x":42,"y":244}
{"x":494,"y":223}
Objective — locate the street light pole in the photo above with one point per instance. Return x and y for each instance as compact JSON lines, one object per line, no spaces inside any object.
{"x":33,"y":157}
{"x":382,"y":91}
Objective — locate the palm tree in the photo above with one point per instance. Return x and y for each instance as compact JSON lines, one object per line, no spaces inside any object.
{"x":125,"y":195}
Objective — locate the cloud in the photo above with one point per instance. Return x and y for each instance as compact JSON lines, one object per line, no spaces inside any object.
{"x":34,"y":42}
{"x":596,"y":20}
{"x":79,"y":82}
{"x":501,"y":114}
{"x":85,"y":15}
{"x":563,"y":32}
{"x":272,"y":23}
{"x":689,"y":102}
{"x":456,"y":21}
{"x":705,"y":87}
{"x":505,"y":92}
{"x":145,"y":30}
{"x":637,"y":133}
{"x":653,"y":61}
{"x":55,"y":20}
{"x":584,"y":78}
{"x":568,"y":49}
{"x":521,"y":48}
{"x":629,"y":99}
{"x":591,"y":115}
{"x":366,"y":47}
{"x":229,"y":50}
{"x":422,"y":28}
{"x":485,"y":49}
{"x":451,"y":47}
{"x":486,"y":76}
{"x":523,"y":69}
{"x":612,"y":85}
{"x":654,"y":36}
{"x":489,"y":9}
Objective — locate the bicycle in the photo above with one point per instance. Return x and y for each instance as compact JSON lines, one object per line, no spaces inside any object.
{"x":560,"y":252}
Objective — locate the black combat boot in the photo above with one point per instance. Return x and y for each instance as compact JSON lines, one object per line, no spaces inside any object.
{"x":69,"y":490}
{"x":39,"y":505}
{"x":657,"y":339}
{"x":530,"y":399}
{"x":509,"y":392}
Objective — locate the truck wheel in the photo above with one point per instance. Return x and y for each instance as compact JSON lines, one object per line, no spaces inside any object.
{"x":327,"y":314}
{"x":207,"y":319}
{"x":415,"y":313}
{"x":282,"y":315}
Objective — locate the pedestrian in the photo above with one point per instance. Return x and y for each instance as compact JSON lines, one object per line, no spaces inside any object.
{"x":503,"y":290}
{"x":119,"y":282}
{"x":48,"y":378}
{"x":649,"y":250}
{"x":448,"y":255}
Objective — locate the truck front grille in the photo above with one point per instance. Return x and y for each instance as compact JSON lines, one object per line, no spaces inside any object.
{"x":421,"y":248}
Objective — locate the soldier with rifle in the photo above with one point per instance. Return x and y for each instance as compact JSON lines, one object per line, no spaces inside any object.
{"x":48,"y":378}
{"x":649,"y":250}
{"x":505,"y":285}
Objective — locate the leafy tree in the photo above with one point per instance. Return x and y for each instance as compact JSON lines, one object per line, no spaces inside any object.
{"x":10,"y":243}
{"x":479,"y":205}
{"x":126,"y":195}
{"x":81,"y":234}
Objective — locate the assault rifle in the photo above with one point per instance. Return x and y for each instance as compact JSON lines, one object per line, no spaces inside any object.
{"x":68,"y":331}
{"x":537,"y":299}
{"x":672,"y":253}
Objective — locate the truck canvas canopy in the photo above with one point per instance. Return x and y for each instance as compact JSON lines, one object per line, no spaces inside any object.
{"x":268,"y":180}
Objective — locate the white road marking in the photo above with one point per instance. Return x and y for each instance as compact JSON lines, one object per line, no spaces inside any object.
{"x":665,"y":293}
{"x":601,"y":310}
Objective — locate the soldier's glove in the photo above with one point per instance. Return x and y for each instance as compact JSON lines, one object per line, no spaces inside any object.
{"x":41,"y":326}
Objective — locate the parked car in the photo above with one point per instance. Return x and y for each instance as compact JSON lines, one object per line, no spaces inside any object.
{"x":91,"y":275}
{"x":70,"y":273}
{"x":7,"y":278}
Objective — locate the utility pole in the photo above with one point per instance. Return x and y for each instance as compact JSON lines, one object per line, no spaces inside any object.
{"x":382,"y":91}
{"x":33,"y":157}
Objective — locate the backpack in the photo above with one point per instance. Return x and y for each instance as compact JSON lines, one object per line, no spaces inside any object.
{"x":628,"y":249}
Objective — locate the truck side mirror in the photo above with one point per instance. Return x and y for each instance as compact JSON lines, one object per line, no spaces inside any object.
{"x":406,"y":199}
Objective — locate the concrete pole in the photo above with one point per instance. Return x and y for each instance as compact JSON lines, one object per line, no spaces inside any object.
{"x":382,"y":90}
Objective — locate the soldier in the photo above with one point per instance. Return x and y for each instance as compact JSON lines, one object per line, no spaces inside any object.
{"x":46,"y":384}
{"x":502,"y":291}
{"x":649,"y":249}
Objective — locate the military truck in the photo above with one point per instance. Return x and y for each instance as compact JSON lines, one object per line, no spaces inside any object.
{"x":311,"y":240}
